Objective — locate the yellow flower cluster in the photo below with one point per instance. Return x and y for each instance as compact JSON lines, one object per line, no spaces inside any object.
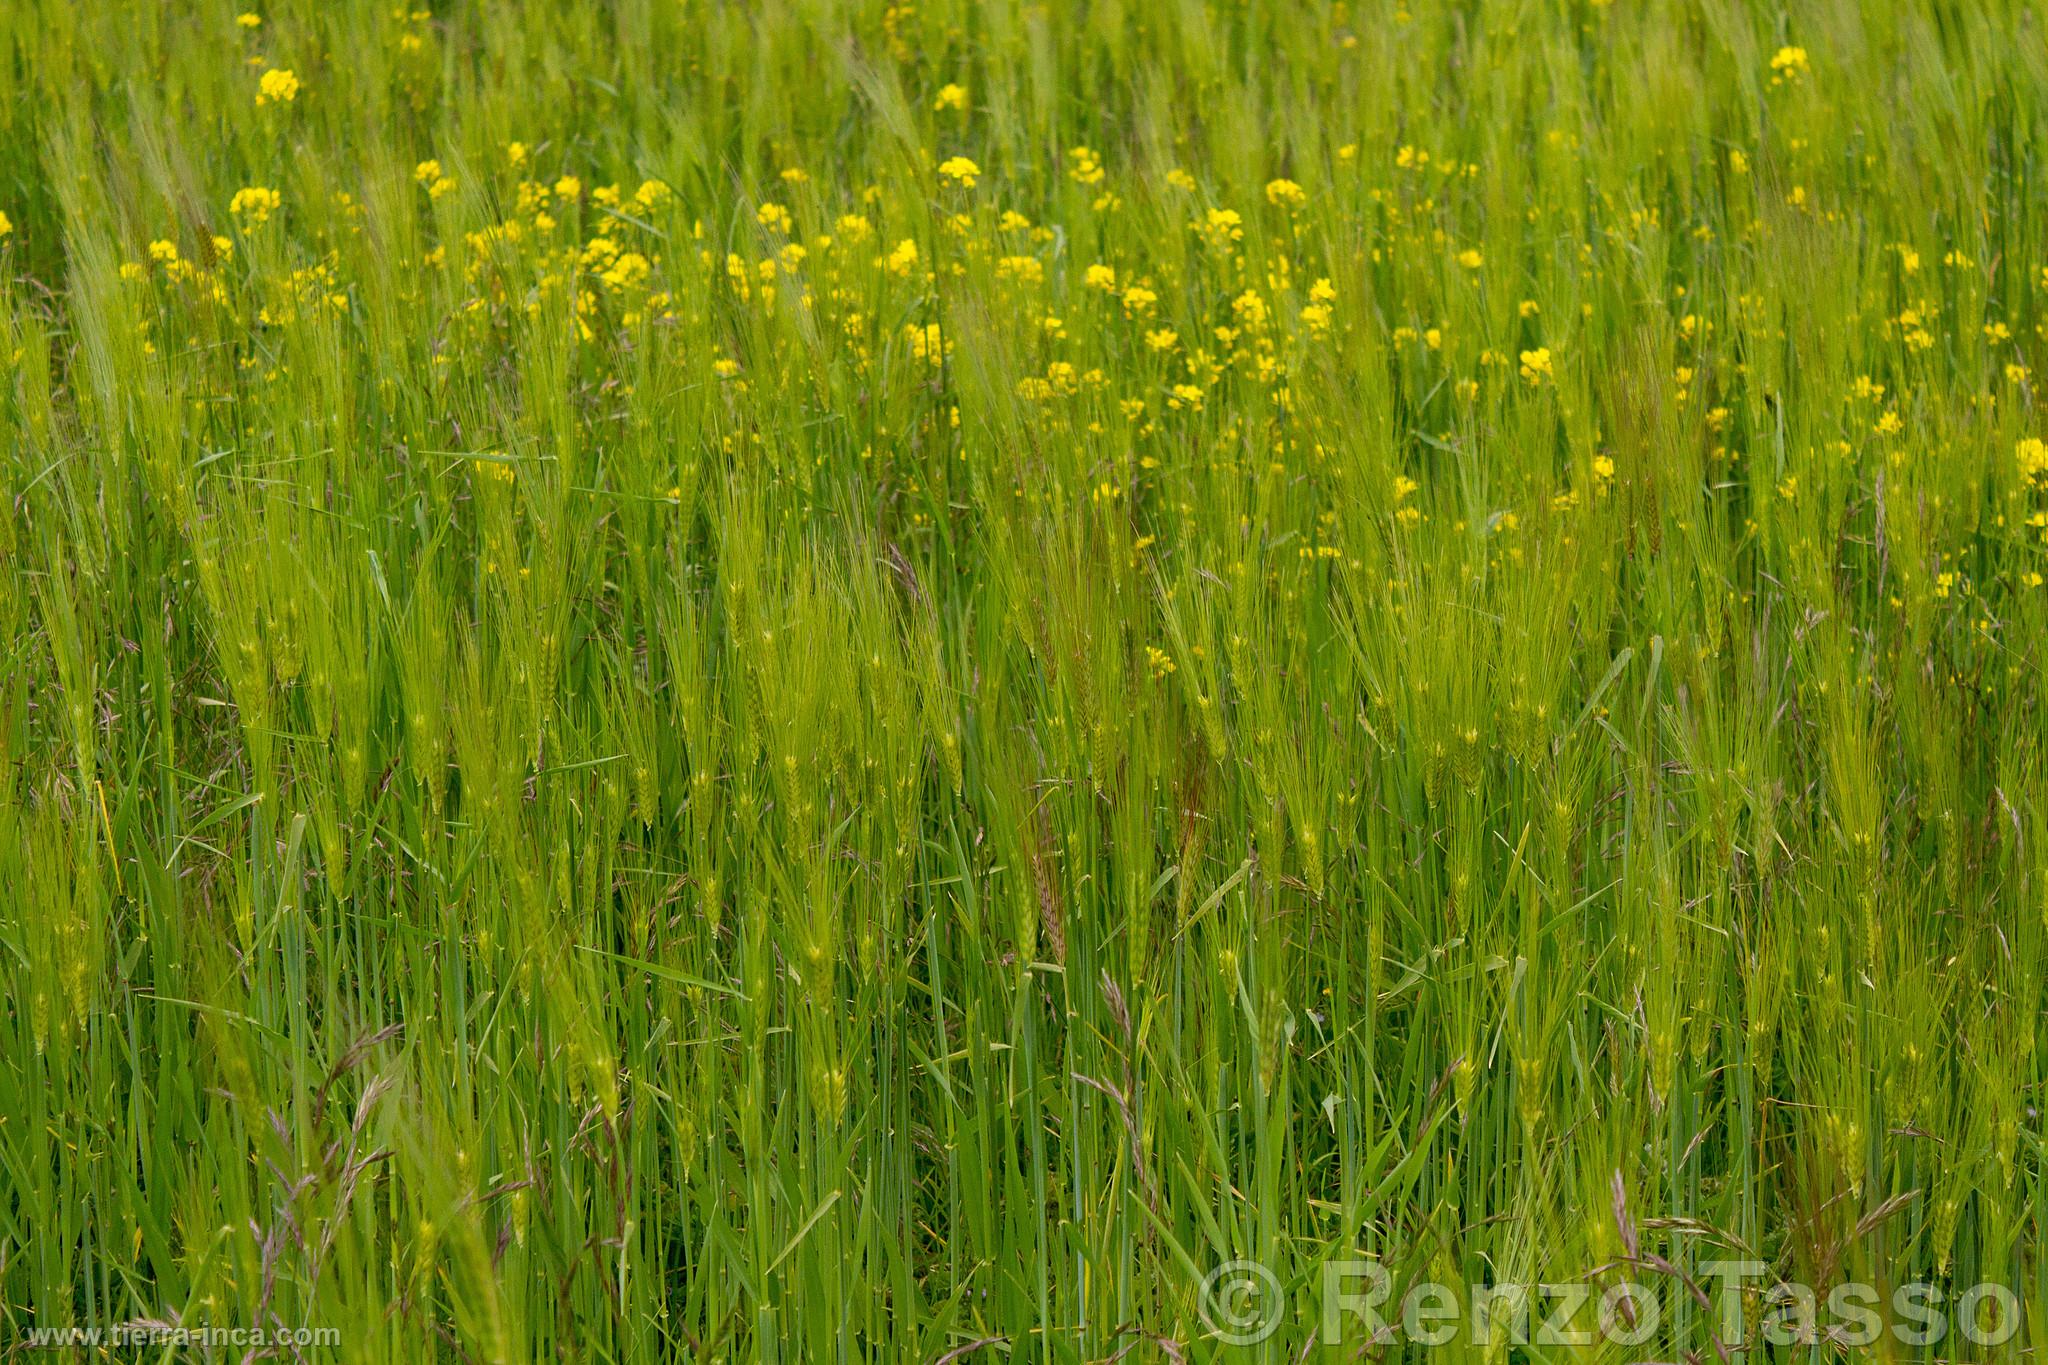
{"x":255,"y":204}
{"x":429,"y":176}
{"x":277,"y":86}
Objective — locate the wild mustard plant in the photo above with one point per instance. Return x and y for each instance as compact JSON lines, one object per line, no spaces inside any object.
{"x":867,"y":681}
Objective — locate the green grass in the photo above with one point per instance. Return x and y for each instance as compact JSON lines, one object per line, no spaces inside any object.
{"x":636,"y":723}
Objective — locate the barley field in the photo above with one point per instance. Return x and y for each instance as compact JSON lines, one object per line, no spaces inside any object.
{"x":974,"y":681}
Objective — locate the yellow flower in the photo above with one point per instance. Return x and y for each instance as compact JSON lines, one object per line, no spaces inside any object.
{"x":774,"y":217}
{"x":1164,"y":339}
{"x":1789,"y":62}
{"x":277,"y":86}
{"x":255,"y":204}
{"x":928,"y":343}
{"x":515,"y":154}
{"x":1221,"y":227}
{"x":568,"y":187}
{"x":428,"y":175}
{"x":725,"y":368}
{"x":1471,"y":259}
{"x":1100,"y":277}
{"x":248,"y":20}
{"x":904,"y":258}
{"x":2032,"y":454}
{"x":6,"y":225}
{"x":628,"y":270}
{"x":1285,"y":194}
{"x":951,"y":97}
{"x":1536,"y":365}
{"x":961,"y":169}
{"x":1180,"y":179}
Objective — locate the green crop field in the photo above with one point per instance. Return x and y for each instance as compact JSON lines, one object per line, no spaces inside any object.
{"x":1157,"y":680}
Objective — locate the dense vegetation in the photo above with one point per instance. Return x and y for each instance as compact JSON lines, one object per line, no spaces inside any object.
{"x":809,"y":681}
